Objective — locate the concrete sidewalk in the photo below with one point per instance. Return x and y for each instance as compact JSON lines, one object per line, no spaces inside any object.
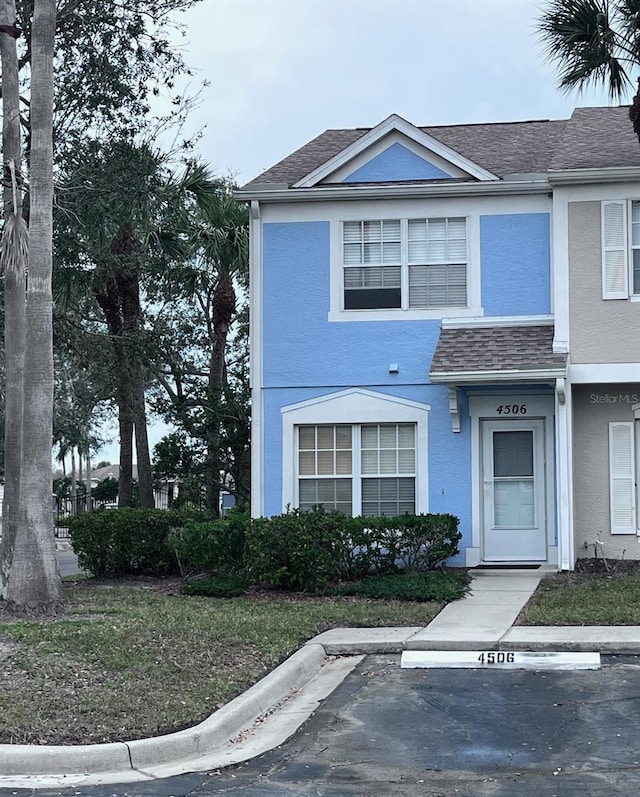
{"x":273,"y":709}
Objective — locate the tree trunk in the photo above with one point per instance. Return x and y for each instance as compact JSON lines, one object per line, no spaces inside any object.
{"x":145,"y":476}
{"x":125,"y":476}
{"x":74,"y":475}
{"x":89,"y":500}
{"x":34,"y":579}
{"x":223,"y":310}
{"x":14,"y":288}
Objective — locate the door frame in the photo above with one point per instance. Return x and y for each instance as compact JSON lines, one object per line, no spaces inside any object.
{"x":487,"y":429}
{"x":485,"y":405}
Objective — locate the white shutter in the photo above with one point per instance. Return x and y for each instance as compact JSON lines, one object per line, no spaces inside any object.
{"x":622,"y":478}
{"x":615,"y":245}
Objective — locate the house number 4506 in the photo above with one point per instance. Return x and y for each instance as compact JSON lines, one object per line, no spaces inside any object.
{"x":511,"y":409}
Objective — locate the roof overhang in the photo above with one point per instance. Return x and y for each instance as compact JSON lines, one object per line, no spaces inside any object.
{"x":614,"y":174}
{"x":399,"y":191}
{"x":530,"y":376}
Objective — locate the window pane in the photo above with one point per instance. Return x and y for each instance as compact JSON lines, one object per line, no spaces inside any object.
{"x":307,"y":463}
{"x":388,"y":496}
{"x":330,"y":493}
{"x":391,"y":230}
{"x":372,"y":298}
{"x":406,"y":435}
{"x":391,"y":252}
{"x":388,"y":436}
{"x":372,"y":253}
{"x":352,"y":253}
{"x":636,"y":271}
{"x":369,"y":436}
{"x":513,"y":453}
{"x":372,"y":231}
{"x":388,"y":461}
{"x":406,"y":461}
{"x":307,"y":437}
{"x":343,"y":462}
{"x":369,"y":461}
{"x":325,"y":436}
{"x":325,"y":463}
{"x":352,"y":231}
{"x":343,"y":437}
{"x":438,"y":286}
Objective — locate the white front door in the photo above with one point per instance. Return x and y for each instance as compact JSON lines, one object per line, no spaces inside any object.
{"x":513,"y":478}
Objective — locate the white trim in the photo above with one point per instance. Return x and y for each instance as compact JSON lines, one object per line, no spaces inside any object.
{"x":355,"y":406}
{"x":499,"y":321}
{"x":388,"y":125}
{"x":591,"y":373}
{"x":353,"y":191}
{"x":480,"y":377}
{"x":564,"y":475}
{"x":560,"y":274}
{"x":255,"y":361}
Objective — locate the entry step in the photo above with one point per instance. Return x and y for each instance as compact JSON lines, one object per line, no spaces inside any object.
{"x":500,"y":660}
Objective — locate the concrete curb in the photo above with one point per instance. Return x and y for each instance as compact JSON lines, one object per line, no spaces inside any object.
{"x":220,"y":727}
{"x":186,"y":751}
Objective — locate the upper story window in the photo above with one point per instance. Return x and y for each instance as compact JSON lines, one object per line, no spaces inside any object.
{"x":405,"y":263}
{"x":621,"y":249}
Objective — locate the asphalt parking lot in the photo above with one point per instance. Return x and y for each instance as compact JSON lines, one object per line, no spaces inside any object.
{"x":387,"y":731}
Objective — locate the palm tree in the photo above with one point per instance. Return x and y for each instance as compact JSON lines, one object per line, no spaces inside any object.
{"x":33,"y":578}
{"x":13,"y":259}
{"x":594,"y":41}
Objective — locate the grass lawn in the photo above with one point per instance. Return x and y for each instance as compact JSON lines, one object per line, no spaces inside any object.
{"x":126,"y":662}
{"x":584,"y":599}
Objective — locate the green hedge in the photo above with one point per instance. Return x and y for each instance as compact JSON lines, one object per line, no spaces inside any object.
{"x":117,"y":542}
{"x":436,"y":585}
{"x":211,"y":546}
{"x":309,"y":550}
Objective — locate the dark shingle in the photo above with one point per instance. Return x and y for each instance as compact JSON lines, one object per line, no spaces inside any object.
{"x":496,"y":349}
{"x":598,"y":138}
{"x":501,"y":148}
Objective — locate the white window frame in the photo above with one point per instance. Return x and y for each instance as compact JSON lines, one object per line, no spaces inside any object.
{"x":443,"y":210}
{"x":617,"y":283}
{"x":354,"y":407}
{"x":357,"y":475}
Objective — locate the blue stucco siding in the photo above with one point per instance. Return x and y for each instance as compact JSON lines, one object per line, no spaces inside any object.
{"x":396,"y":163}
{"x":449,"y":466}
{"x":302,"y":348}
{"x":515,"y":262}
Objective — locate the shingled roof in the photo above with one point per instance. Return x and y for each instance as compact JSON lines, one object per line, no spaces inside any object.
{"x":591,"y":138}
{"x":500,"y":348}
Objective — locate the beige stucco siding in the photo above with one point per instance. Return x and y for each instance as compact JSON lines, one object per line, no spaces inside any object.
{"x":594,"y":406}
{"x":602,"y":331}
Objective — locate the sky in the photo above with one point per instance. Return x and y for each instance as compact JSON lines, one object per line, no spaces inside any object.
{"x":279,"y":72}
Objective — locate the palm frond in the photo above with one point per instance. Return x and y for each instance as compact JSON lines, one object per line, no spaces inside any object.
{"x":14,"y":247}
{"x":588,"y":42}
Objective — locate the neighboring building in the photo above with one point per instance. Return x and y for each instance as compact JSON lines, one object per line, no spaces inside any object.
{"x":445,"y":319}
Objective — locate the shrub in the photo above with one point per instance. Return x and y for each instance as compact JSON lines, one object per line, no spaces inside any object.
{"x":421,"y":542}
{"x":124,"y":541}
{"x":210,"y":546}
{"x":223,"y":585}
{"x":439,"y":585}
{"x":296,"y":550}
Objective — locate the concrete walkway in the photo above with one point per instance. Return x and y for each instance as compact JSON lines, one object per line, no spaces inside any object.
{"x":275,"y":707}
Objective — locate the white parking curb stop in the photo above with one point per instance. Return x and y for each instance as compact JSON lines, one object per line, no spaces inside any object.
{"x":500,"y":660}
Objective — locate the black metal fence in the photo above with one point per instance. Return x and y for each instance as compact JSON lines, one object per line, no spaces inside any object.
{"x":65,"y":507}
